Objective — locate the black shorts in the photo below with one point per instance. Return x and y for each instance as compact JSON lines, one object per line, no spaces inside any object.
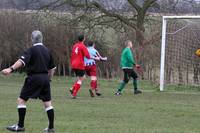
{"x":129,"y":73}
{"x":78,"y":72}
{"x":36,"y":86}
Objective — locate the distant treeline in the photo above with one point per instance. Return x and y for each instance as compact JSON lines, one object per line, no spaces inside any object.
{"x":16,"y":31}
{"x":163,"y":6}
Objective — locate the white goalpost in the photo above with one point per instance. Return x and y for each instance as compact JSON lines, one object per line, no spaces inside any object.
{"x":180,"y":37}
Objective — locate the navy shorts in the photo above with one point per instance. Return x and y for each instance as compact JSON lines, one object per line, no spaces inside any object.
{"x":36,"y":86}
{"x":78,"y":72}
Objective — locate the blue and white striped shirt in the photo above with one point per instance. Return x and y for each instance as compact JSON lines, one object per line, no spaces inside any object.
{"x":93,"y":53}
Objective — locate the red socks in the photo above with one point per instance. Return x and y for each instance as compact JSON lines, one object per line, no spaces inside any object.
{"x":93,"y":84}
{"x":76,"y":87}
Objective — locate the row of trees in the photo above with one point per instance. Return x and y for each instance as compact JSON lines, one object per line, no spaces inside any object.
{"x":16,"y":31}
{"x":109,"y":29}
{"x":16,"y":28}
{"x":59,"y":36}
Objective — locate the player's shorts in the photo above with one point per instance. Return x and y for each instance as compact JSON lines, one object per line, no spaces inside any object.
{"x":78,"y":72}
{"x":129,"y":73}
{"x":36,"y":86}
{"x":91,"y":70}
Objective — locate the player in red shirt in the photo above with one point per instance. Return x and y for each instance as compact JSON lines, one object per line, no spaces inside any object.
{"x":79,"y":51}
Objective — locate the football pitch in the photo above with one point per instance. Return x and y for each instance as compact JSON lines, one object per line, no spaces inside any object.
{"x":174,"y":111}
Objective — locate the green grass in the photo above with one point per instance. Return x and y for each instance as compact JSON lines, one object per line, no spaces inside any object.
{"x":173,"y":111}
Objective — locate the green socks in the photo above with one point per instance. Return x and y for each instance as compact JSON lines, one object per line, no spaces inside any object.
{"x":135,"y":84}
{"x":121,"y":87}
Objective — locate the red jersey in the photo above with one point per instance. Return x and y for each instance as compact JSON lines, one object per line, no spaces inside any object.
{"x":79,"y":51}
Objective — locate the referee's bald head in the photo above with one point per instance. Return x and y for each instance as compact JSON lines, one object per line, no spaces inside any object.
{"x":36,"y":36}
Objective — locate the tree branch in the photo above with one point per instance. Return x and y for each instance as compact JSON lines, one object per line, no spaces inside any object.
{"x":118,"y":16}
{"x":134,"y":5}
{"x":147,"y":4}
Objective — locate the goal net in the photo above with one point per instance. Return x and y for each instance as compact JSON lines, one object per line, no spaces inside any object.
{"x":180,"y":40}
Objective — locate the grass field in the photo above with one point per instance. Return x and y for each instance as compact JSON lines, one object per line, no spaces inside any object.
{"x":174,"y":111}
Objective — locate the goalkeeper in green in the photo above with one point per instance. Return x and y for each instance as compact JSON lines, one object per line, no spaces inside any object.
{"x":127,"y":64}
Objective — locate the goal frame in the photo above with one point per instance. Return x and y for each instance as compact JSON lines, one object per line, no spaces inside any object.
{"x":163,"y":45}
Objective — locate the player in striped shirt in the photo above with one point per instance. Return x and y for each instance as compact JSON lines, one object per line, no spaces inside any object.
{"x":91,"y":68}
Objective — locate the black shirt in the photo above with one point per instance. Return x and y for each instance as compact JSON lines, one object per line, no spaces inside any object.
{"x":37,"y":59}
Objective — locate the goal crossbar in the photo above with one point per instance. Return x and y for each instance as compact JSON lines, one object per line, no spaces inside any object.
{"x":181,"y":17}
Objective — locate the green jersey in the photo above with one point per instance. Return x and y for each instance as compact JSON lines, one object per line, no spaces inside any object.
{"x":127,"y":59}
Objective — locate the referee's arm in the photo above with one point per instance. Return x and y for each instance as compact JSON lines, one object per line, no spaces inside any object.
{"x":51,"y":67}
{"x":15,"y":66}
{"x":51,"y":73}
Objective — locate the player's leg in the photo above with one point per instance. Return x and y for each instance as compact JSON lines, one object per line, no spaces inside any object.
{"x":21,"y":111}
{"x":93,"y":85}
{"x":21,"y":107}
{"x":123,"y":82}
{"x":50,"y":113}
{"x":31,"y":89}
{"x":134,"y":75}
{"x":88,"y":73}
{"x":77,"y":85}
{"x":45,"y":96}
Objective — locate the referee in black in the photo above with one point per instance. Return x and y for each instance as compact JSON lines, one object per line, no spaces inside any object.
{"x":40,"y":67}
